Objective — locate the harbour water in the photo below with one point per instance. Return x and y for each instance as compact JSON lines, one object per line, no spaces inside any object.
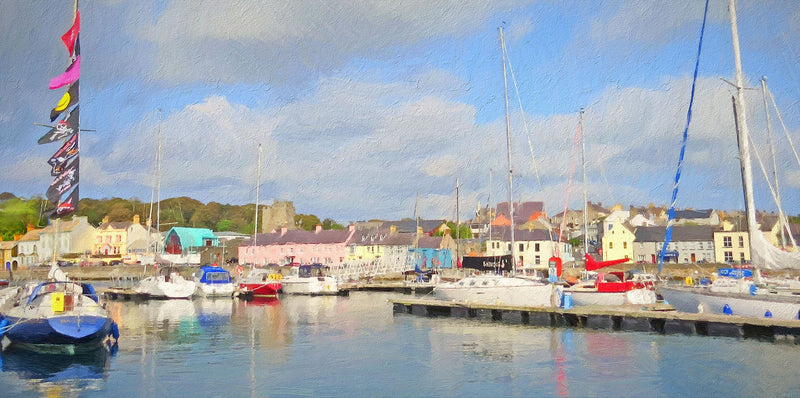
{"x":355,"y":346}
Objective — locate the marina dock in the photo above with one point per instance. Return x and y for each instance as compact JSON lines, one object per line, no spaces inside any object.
{"x":658,"y":318}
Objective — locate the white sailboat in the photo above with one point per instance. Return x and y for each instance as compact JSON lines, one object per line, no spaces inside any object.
{"x":606,"y":289}
{"x":499,"y":289}
{"x":740,"y":296}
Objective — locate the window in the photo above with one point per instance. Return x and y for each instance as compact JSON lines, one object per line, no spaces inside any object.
{"x":741,"y":258}
{"x":537,"y":260}
{"x":610,"y":245}
{"x":728,"y":257}
{"x":521,"y":247}
{"x":536,"y":248}
{"x":741,"y":242}
{"x":726,"y":241}
{"x":624,"y":245}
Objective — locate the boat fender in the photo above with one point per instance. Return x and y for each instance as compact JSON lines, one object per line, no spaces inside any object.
{"x":114,"y":331}
{"x":3,"y":327}
{"x":727,"y":310}
{"x":768,"y":314}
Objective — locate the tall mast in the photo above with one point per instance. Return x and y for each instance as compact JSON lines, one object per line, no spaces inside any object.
{"x":159,"y":159}
{"x":489,"y":208}
{"x":585,"y":198}
{"x":744,"y":136}
{"x":510,"y":169}
{"x":458,"y":222}
{"x":258,"y":184}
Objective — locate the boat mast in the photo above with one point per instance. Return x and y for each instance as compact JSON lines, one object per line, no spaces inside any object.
{"x":508,"y":146}
{"x":585,"y":198}
{"x":458,"y":223}
{"x":489,"y":209}
{"x":743,"y":137}
{"x":258,"y":183}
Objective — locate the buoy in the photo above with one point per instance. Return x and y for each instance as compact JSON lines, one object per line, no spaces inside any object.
{"x":768,"y":314}
{"x":567,"y":301}
{"x":727,"y":310}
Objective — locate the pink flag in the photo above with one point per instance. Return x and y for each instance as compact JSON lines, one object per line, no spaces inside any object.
{"x":73,"y":73}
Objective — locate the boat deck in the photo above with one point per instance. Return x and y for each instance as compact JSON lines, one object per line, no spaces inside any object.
{"x":657,"y":318}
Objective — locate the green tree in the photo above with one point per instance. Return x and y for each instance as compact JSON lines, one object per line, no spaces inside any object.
{"x":330,"y":224}
{"x":17,"y":214}
{"x":306,"y":222}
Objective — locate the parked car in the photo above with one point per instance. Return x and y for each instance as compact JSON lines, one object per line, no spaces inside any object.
{"x":115,"y":262}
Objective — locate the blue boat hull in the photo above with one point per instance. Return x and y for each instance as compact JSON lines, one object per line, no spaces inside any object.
{"x":67,"y":329}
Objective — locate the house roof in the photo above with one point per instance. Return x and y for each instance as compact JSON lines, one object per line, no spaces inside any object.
{"x":429,"y":242}
{"x":692,"y":214}
{"x":523,"y":212}
{"x":382,"y":237}
{"x":335,"y":236}
{"x":116,"y":225}
{"x":64,"y":226}
{"x":521,"y":235}
{"x":8,"y":244}
{"x":193,"y":237}
{"x":30,"y":236}
{"x":680,"y":233}
{"x":427,"y":226}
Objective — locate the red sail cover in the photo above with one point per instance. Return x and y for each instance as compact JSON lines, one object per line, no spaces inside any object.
{"x":592,"y":264}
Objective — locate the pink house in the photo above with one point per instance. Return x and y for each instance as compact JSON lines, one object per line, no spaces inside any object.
{"x":328,"y":247}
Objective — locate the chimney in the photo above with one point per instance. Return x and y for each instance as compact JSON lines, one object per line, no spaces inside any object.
{"x":317,"y":229}
{"x":392,"y":229}
{"x":283,"y":230}
{"x":105,"y":219}
{"x":136,"y":219}
{"x":351,"y":227}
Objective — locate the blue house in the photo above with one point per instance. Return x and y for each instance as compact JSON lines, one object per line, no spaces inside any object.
{"x":182,"y":240}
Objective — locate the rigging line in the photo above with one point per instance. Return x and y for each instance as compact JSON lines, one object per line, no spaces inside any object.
{"x":785,"y":130}
{"x":668,"y":232}
{"x":772,"y":190}
{"x":524,"y":119}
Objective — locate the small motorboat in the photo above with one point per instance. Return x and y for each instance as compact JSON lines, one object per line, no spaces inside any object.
{"x":261,"y":283}
{"x":214,"y":281}
{"x":166,"y":284}
{"x":56,"y":316}
{"x":310,"y":280}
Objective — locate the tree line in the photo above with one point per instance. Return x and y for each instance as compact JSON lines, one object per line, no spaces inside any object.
{"x":16,"y":214}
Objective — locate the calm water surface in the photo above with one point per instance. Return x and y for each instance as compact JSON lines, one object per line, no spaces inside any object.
{"x":355,"y":346}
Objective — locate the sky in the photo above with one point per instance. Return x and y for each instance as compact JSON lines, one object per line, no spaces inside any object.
{"x":372,"y":109}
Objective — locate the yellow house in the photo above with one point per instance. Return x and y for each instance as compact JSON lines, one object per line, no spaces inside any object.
{"x":731,"y":246}
{"x":8,"y":253}
{"x":618,"y":242}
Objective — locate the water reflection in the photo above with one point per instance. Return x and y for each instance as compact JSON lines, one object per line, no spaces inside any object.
{"x":59,"y":375}
{"x":214,"y":312}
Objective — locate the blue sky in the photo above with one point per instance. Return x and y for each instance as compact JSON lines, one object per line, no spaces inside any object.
{"x":363,"y":106}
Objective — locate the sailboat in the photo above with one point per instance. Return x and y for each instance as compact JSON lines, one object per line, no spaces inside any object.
{"x":740,"y":296}
{"x":611,"y":288}
{"x":59,"y":315}
{"x":498,"y":289}
{"x":259,"y":282}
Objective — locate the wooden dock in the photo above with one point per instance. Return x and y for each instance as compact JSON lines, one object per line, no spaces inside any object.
{"x":657,"y":318}
{"x":388,"y":286}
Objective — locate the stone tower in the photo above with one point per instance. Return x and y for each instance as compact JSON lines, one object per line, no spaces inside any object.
{"x":279,"y":214}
